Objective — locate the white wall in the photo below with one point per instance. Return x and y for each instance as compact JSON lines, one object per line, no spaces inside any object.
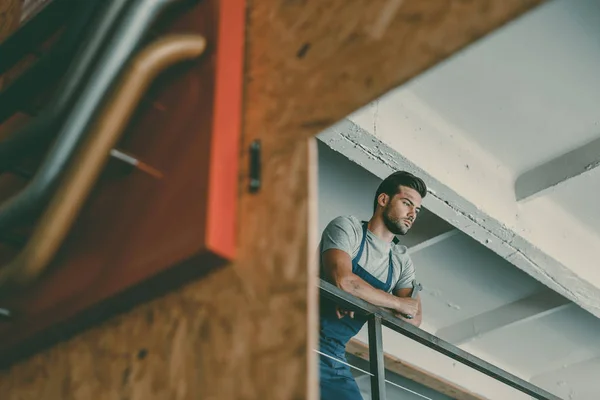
{"x":344,"y":188}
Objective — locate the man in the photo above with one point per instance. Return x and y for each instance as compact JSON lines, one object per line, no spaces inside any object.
{"x":366,"y":260}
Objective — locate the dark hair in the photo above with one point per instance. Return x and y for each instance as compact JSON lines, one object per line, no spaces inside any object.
{"x":391,"y":185}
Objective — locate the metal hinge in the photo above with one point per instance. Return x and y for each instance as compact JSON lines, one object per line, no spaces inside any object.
{"x":255,"y":166}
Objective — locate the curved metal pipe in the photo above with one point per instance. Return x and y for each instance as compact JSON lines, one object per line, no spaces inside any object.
{"x":93,"y":154}
{"x":129,"y":33}
{"x":51,"y":65}
{"x":38,"y":131}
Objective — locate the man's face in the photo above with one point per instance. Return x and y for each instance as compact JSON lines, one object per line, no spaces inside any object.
{"x":401,"y":210}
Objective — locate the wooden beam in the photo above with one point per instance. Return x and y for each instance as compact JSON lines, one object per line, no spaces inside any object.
{"x":414,"y":373}
{"x":242,"y":331}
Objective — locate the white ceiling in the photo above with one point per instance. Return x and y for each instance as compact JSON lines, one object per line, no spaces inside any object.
{"x":529,"y":92}
{"x":513,"y":278}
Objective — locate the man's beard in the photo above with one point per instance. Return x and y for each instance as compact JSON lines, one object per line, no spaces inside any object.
{"x":394,"y":225}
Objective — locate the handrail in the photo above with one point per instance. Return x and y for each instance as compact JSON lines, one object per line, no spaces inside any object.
{"x":51,"y":65}
{"x":38,"y":131}
{"x":91,"y":157}
{"x":378,"y":317}
{"x":125,"y":40}
{"x":17,"y":45}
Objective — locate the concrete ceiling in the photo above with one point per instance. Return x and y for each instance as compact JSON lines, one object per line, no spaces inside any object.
{"x":507,"y":136}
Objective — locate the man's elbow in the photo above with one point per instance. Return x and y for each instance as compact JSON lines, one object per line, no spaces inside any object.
{"x":347,"y":283}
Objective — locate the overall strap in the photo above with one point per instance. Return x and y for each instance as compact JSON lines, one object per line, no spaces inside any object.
{"x":356,"y":259}
{"x":388,"y":282}
{"x":390,"y":277}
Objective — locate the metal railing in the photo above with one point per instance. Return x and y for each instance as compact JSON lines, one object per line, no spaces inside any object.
{"x":378,"y":317}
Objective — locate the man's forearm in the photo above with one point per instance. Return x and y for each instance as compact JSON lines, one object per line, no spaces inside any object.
{"x":356,"y":286}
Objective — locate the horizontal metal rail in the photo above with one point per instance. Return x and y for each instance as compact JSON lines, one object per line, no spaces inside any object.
{"x":351,"y":302}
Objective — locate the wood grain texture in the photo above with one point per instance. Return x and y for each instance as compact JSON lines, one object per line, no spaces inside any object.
{"x":242,"y":332}
{"x":414,"y":373}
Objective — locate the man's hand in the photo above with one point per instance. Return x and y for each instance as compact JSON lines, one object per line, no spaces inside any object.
{"x":341,"y":313}
{"x":408,"y":307}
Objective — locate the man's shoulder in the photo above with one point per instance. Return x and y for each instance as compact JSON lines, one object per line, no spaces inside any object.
{"x":349,"y":221}
{"x":401,"y":251}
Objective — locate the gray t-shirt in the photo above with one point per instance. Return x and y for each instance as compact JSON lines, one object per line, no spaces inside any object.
{"x":345,"y":233}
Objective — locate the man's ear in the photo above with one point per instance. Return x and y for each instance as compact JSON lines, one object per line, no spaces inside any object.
{"x":383,"y":199}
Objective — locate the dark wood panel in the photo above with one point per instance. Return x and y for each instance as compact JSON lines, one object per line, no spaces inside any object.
{"x":135,"y":226}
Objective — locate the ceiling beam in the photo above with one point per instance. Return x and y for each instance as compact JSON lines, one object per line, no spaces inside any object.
{"x":414,"y":373}
{"x":521,"y":311}
{"x":427,"y":227}
{"x":557,"y":171}
{"x":432,"y":241}
{"x":460,"y":197}
{"x":560,"y":367}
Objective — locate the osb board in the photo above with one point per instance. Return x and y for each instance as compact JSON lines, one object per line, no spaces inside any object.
{"x":241,"y":333}
{"x":414,"y":373}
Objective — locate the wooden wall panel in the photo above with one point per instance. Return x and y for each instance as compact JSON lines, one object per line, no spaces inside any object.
{"x":231,"y":335}
{"x":241,"y":332}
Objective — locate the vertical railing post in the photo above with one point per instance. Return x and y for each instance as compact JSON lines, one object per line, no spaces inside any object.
{"x":376,"y":358}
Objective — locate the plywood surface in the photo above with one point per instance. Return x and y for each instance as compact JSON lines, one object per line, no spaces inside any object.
{"x":241,"y":333}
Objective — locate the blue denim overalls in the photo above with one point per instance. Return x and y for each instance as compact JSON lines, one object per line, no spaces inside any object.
{"x":336,"y":380}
